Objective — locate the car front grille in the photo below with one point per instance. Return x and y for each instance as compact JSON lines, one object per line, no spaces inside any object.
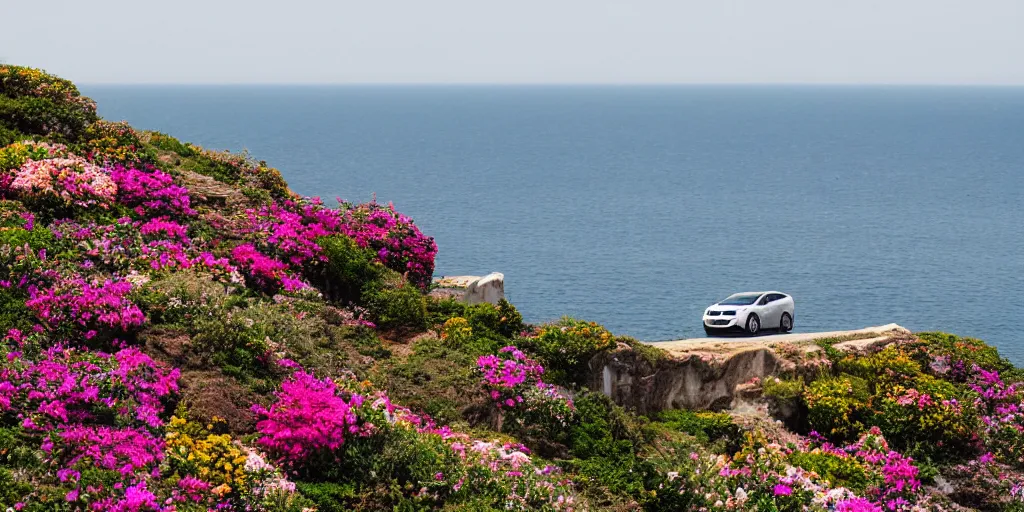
{"x":714,"y":313}
{"x":719,"y":322}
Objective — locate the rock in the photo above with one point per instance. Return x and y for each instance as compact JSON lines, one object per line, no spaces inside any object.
{"x":490,"y":288}
{"x":712,"y":374}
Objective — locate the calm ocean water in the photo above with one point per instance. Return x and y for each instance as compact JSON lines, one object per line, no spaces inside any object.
{"x":639,"y":206}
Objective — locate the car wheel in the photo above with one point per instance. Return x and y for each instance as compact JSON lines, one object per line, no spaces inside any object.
{"x":786,"y":324}
{"x":753,"y":324}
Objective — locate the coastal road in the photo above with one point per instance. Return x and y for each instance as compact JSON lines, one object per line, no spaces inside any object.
{"x":691,"y":344}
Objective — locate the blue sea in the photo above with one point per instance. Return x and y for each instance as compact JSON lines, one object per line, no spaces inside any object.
{"x":639,"y":206}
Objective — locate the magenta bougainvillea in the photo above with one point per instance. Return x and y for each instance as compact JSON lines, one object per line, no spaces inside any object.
{"x":150,"y":191}
{"x":89,"y":305}
{"x":308,"y":419}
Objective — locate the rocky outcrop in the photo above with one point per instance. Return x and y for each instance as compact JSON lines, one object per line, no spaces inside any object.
{"x":471,"y":289}
{"x":706,"y":374}
{"x":490,"y":288}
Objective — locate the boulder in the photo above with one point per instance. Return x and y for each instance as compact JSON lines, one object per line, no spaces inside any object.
{"x":490,"y":288}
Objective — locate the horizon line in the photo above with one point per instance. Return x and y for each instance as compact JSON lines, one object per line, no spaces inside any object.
{"x":559,"y":84}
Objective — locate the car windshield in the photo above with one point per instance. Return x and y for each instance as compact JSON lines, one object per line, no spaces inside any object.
{"x":740,"y":299}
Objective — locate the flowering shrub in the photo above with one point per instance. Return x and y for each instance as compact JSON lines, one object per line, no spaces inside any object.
{"x":36,"y":102}
{"x":309,"y":421}
{"x":85,"y":305}
{"x":266,"y":272}
{"x":566,"y":346}
{"x":108,"y":143}
{"x":290,"y":231}
{"x":72,"y":385}
{"x":150,"y":191}
{"x":73,"y":181}
{"x":1002,"y":408}
{"x":762,"y":474}
{"x":213,"y":458}
{"x":513,"y":383}
{"x":397,"y":241}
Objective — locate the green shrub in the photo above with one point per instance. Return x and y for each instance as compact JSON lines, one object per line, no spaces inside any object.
{"x":38,"y":103}
{"x":12,"y":491}
{"x":10,"y":135}
{"x":705,"y":426}
{"x":13,"y":313}
{"x":969,"y":351}
{"x":457,"y":333}
{"x":566,"y":347}
{"x":604,"y":428}
{"x":396,"y":305}
{"x":783,"y":389}
{"x":502,"y":320}
{"x":349,"y":269}
{"x":838,"y":471}
{"x":440,"y":310}
{"x":167,"y":143}
{"x":330,"y":496}
{"x":925,"y":418}
{"x":837,"y":406}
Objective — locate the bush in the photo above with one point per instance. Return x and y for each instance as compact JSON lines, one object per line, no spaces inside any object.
{"x":37,"y":103}
{"x":927,"y":417}
{"x":783,"y":389}
{"x":440,"y":310}
{"x":566,"y":347}
{"x":330,"y":496}
{"x":167,"y":143}
{"x":111,"y":143}
{"x":838,"y":471}
{"x":396,"y":305}
{"x":349,"y":268}
{"x":961,"y":354}
{"x":837,"y":406}
{"x":705,"y":426}
{"x":502,"y":320}
{"x":192,"y":450}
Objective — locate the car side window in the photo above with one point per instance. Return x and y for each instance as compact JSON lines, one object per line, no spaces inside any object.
{"x":764,"y":300}
{"x":774,"y":297}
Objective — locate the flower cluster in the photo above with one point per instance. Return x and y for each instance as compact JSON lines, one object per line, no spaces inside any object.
{"x":150,"y":190}
{"x":289,"y":232}
{"x":506,"y":374}
{"x":86,"y":305}
{"x":308,"y":420}
{"x":73,"y":180}
{"x":397,"y":241}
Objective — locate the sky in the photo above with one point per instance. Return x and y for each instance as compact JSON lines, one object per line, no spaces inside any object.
{"x":521,"y":41}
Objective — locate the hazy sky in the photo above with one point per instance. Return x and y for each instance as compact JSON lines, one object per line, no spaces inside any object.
{"x":520,"y":41}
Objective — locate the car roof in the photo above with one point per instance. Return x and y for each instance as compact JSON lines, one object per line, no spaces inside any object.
{"x":761,"y":293}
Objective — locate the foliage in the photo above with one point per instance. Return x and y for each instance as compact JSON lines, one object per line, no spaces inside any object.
{"x":115,"y":143}
{"x":783,"y":389}
{"x":837,"y":406}
{"x":565,"y":347}
{"x":38,"y":103}
{"x":396,"y":306}
{"x":706,"y":426}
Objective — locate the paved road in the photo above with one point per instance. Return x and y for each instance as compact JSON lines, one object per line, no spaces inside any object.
{"x":773,"y":338}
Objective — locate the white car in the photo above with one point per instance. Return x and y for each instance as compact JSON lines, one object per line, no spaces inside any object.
{"x":750,"y":312}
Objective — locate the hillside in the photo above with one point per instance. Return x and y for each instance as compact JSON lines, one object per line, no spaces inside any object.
{"x":183,"y":332}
